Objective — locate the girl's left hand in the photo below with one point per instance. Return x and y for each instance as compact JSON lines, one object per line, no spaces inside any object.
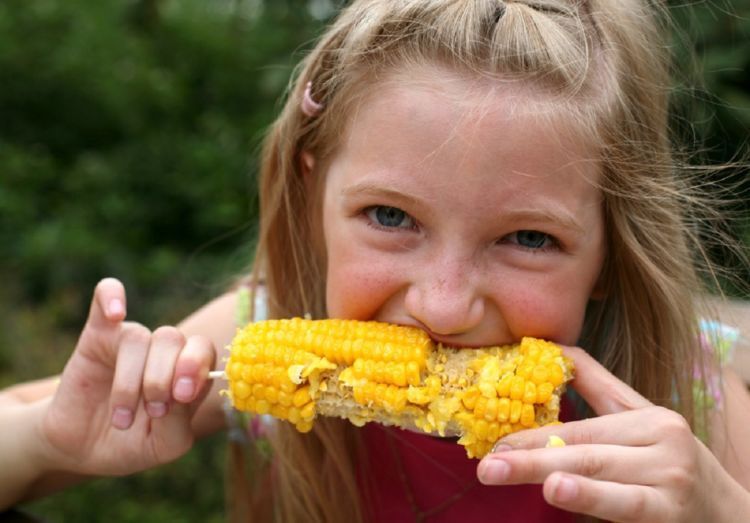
{"x":634,"y":462}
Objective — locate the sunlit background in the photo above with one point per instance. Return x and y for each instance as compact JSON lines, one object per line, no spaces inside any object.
{"x":129,"y":132}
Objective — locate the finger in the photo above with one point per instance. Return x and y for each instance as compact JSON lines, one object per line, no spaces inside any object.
{"x":126,"y":385}
{"x":604,"y":462}
{"x":606,"y":500}
{"x":605,"y":393}
{"x":108,"y":307}
{"x":191,"y":370}
{"x":166,"y":344}
{"x":626,"y":428}
{"x":189,"y":388}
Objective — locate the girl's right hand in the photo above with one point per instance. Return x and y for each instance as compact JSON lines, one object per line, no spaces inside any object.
{"x":127,"y":395}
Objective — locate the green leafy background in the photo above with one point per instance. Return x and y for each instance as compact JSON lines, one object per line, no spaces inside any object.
{"x":129,"y":132}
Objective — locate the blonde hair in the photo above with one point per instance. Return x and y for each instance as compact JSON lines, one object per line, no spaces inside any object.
{"x":607,"y":61}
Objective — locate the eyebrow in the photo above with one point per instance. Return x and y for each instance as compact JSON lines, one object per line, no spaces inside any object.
{"x":560,"y":218}
{"x":372,"y":189}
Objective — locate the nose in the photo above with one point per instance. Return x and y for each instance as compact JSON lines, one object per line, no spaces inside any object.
{"x":446,"y":297}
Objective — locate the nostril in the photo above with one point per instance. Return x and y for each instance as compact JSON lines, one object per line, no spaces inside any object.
{"x":442,"y":313}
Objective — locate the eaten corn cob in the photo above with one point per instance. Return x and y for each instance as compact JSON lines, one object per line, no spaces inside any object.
{"x":296,"y":369}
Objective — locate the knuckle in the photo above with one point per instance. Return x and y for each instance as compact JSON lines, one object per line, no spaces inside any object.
{"x":155,"y":389}
{"x":527,"y":466}
{"x":169,"y":334}
{"x":199,"y":340}
{"x":638,"y":508}
{"x":620,"y":397}
{"x":135,"y":332}
{"x":591,"y":464}
{"x":580,"y":434}
{"x":127,"y":390}
{"x":575,"y":349}
{"x":681,"y":478}
{"x":670,"y":424}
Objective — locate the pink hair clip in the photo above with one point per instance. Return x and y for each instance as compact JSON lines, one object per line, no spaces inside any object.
{"x":309,"y":106}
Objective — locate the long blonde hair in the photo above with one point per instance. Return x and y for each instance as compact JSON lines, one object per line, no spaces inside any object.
{"x":606,"y":60}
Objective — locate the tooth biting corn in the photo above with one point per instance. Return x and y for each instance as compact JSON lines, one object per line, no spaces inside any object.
{"x":296,"y":369}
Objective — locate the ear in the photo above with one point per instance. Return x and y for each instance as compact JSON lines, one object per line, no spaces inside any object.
{"x":306,"y":163}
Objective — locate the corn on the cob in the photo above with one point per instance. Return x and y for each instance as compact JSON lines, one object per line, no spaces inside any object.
{"x":296,"y":369}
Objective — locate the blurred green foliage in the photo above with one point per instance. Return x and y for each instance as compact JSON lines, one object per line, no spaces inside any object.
{"x":128,"y":133}
{"x":711,"y":113}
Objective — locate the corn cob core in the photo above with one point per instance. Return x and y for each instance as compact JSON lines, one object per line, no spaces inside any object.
{"x":296,"y":369}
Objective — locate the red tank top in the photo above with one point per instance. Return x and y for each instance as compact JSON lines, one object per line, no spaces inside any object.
{"x":413,"y":474}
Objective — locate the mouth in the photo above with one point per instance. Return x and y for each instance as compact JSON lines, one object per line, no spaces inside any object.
{"x":454,"y":342}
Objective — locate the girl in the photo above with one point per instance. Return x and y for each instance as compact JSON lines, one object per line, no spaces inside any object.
{"x":482,"y":170}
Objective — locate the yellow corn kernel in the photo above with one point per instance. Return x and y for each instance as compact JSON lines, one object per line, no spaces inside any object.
{"x":262,"y":407}
{"x":555,"y":442}
{"x":525,"y":370}
{"x":516,"y":388}
{"x":240,"y":390}
{"x":556,"y":376}
{"x":503,"y":386}
{"x":503,"y":409}
{"x":490,"y":413}
{"x":544,"y":392}
{"x":481,"y":429}
{"x":540,"y":374}
{"x":469,"y":398}
{"x":301,"y":397}
{"x":529,"y":392}
{"x":527,"y":415}
{"x":308,"y":411}
{"x":304,"y":426}
{"x":515,"y":410}
{"x":481,"y":407}
{"x":493,"y":433}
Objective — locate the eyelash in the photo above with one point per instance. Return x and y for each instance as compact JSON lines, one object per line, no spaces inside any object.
{"x":553,"y":243}
{"x":373,"y":222}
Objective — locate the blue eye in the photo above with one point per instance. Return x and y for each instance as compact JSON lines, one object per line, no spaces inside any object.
{"x":389,"y":217}
{"x":533,"y":240}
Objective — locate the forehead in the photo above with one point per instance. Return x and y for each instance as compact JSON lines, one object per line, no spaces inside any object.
{"x":432,"y":118}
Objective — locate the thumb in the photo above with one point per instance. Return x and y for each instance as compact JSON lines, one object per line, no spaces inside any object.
{"x":107,"y":311}
{"x":108,"y":306}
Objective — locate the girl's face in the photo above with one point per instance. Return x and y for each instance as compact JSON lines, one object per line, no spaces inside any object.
{"x":458,"y":213}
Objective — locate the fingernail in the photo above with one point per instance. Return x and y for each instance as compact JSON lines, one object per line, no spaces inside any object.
{"x":501,"y":447}
{"x":494,"y":471}
{"x":156,"y":409}
{"x":184,"y":389}
{"x":115,"y":307}
{"x":122,"y":417}
{"x":566,"y":489}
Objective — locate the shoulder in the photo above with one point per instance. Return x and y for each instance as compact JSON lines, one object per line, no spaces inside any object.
{"x":730,"y":434}
{"x":215,"y":320}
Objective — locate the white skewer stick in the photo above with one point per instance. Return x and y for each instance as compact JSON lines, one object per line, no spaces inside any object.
{"x":217,"y":374}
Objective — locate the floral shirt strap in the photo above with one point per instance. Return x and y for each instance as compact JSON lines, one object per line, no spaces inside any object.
{"x":718,"y":342}
{"x":719,"y":339}
{"x":252,"y":305}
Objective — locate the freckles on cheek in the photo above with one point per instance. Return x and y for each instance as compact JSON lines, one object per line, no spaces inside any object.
{"x":543,"y":316}
{"x":356,"y":292}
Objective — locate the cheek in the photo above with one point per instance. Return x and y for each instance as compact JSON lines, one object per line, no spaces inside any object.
{"x":357,"y":286}
{"x":545,"y":311}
